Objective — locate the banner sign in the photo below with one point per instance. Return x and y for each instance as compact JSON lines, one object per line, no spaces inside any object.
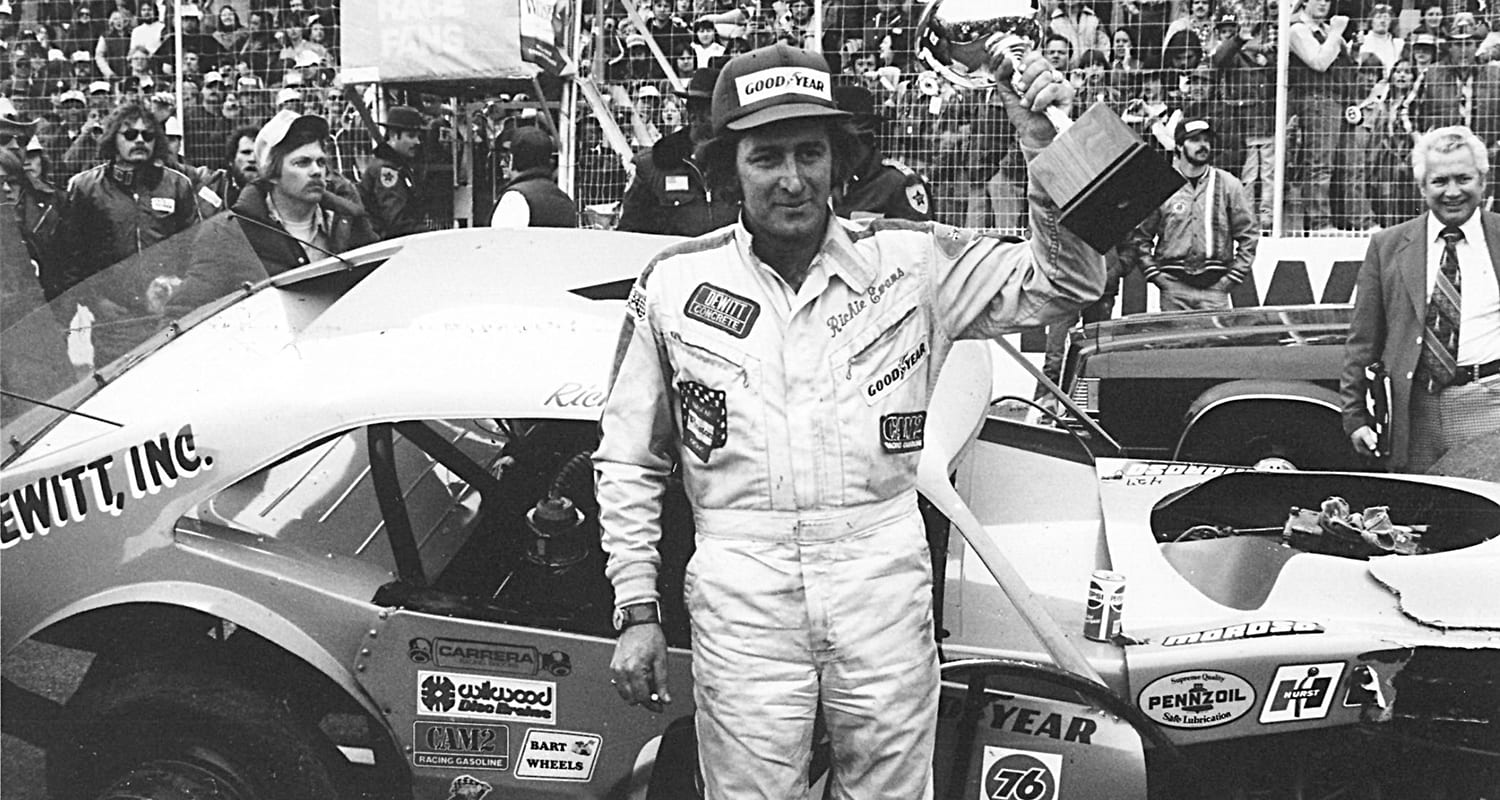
{"x":428,"y":40}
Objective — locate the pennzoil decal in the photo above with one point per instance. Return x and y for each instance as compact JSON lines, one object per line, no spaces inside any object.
{"x":486,"y":697}
{"x":1204,"y":698}
{"x":510,"y":659}
{"x":1020,"y":774}
{"x":459,"y":745}
{"x":1244,"y":630}
{"x":722,"y":309}
{"x":1301,"y":692}
{"x":558,"y":755}
{"x":55,"y":501}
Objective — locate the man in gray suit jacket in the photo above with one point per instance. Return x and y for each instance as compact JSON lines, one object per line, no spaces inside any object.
{"x":1434,"y":325}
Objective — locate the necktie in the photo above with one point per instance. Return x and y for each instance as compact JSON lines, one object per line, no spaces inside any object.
{"x":1439,"y":357}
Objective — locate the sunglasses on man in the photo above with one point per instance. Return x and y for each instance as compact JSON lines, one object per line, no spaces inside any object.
{"x":131,"y":134}
{"x":8,"y":139}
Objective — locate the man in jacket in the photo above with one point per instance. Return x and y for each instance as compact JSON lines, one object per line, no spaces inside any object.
{"x":1427,"y":309}
{"x":532,"y":198}
{"x":1200,"y":243}
{"x":878,"y":186}
{"x":668,"y":194}
{"x":297,"y":211}
{"x":37,"y":214}
{"x":802,"y":478}
{"x":116,"y":210}
{"x":389,"y":188}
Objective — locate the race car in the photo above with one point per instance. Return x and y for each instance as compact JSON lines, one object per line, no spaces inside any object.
{"x":335,"y":536}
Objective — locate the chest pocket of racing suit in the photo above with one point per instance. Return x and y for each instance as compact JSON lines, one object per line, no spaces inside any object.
{"x":881,"y":375}
{"x":720,"y":415}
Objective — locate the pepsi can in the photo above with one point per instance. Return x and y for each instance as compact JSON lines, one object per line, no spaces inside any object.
{"x":1101,"y":614}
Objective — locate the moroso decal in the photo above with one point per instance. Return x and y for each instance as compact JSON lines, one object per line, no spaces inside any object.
{"x":68,"y":497}
{"x":1202,"y":698}
{"x":1244,"y":630}
{"x":1301,"y":692}
{"x":1139,"y":468}
{"x":558,"y":755}
{"x":722,"y":309}
{"x":453,"y":744}
{"x":468,"y":787}
{"x":487,"y":698}
{"x":1020,"y":774}
{"x":510,"y":659}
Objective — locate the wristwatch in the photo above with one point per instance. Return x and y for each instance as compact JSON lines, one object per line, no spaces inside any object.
{"x":643,"y":613}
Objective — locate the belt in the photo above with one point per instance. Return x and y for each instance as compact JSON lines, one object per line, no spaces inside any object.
{"x":1473,"y":372}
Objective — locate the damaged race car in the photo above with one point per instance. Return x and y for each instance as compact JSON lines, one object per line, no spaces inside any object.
{"x":335,"y":536}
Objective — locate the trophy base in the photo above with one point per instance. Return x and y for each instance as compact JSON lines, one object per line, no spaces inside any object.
{"x":1104,"y":179}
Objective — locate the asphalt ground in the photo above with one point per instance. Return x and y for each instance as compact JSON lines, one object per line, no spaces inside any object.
{"x":52,"y":672}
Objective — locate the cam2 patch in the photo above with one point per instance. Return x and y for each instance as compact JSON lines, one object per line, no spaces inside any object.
{"x":722,"y":309}
{"x":902,"y":433}
{"x":705,"y":418}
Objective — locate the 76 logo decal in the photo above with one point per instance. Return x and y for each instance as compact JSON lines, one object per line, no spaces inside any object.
{"x":1020,"y":774}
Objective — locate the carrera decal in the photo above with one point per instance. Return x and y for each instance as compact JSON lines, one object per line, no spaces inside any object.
{"x":1245,"y":630}
{"x":896,"y":375}
{"x":722,"y":309}
{"x":487,"y":698}
{"x":1199,"y":699}
{"x":576,"y":395}
{"x":902,"y":433}
{"x":705,"y":418}
{"x":510,"y":659}
{"x":468,"y":787}
{"x":858,"y":305}
{"x":558,"y":755}
{"x":55,"y":501}
{"x":1020,"y":774}
{"x":1301,"y":692}
{"x":451,"y":744}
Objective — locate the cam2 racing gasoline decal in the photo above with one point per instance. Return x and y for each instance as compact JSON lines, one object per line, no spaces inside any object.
{"x":705,"y":418}
{"x":902,"y":433}
{"x":1020,"y":774}
{"x":486,"y":698}
{"x":558,"y":755}
{"x":722,"y":309}
{"x":455,"y":744}
{"x":1301,"y":692}
{"x":1202,"y":698}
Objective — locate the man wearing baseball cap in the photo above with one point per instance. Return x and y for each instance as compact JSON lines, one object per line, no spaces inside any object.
{"x":298,"y":210}
{"x":667,"y":193}
{"x":1201,"y":242}
{"x":781,"y":368}
{"x":389,"y":185}
{"x":877,"y":186}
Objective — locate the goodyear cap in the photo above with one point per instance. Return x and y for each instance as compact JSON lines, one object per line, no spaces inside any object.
{"x":281,"y":125}
{"x":772,"y":84}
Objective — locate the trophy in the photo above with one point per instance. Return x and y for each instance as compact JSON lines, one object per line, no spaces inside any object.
{"x":1104,"y":179}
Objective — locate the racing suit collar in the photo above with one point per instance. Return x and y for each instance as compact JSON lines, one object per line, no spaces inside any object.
{"x":836,"y":254}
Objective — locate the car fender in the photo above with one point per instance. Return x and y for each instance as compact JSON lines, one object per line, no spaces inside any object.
{"x":1224,"y":394}
{"x":229,"y":606}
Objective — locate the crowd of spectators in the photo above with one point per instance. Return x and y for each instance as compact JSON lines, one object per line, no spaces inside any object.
{"x":1403,"y":70}
{"x":69,"y":63}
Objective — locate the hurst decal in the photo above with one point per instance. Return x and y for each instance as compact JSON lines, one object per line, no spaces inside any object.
{"x":486,"y":698}
{"x":1301,"y":692}
{"x":558,"y":755}
{"x":1199,"y":699}
{"x":104,"y":485}
{"x":1246,"y":630}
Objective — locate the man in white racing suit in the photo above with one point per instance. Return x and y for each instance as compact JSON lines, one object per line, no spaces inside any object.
{"x":784,"y":365}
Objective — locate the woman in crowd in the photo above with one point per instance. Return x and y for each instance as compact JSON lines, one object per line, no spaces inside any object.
{"x":228,"y":33}
{"x":113,"y":46}
{"x":1122,"y":53}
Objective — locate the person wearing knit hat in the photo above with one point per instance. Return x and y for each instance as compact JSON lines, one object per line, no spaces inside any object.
{"x":802,"y":477}
{"x":531,"y":197}
{"x":298,"y":210}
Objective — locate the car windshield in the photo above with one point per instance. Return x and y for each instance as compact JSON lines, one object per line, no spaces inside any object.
{"x":56,"y":354}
